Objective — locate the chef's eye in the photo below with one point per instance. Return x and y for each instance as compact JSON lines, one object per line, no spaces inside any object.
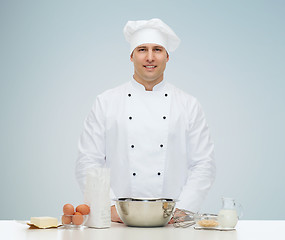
{"x":158,"y":49}
{"x":141,"y":49}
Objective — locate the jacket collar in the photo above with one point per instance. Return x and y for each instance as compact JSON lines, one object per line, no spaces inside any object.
{"x":158,"y":87}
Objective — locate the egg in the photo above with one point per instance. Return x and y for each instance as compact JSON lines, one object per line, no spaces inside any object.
{"x":83,"y":209}
{"x":77,"y":218}
{"x":68,"y":209}
{"x":66,"y":219}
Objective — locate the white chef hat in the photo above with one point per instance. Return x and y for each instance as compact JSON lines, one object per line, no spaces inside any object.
{"x":150,"y":31}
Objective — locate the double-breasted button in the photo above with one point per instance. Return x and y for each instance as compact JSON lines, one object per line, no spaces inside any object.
{"x":158,"y":173}
{"x":130,"y":118}
{"x":132,"y":146}
{"x":165,"y":94}
{"x":129,"y":95}
{"x":164,"y":117}
{"x":134,"y":174}
{"x":161,"y":145}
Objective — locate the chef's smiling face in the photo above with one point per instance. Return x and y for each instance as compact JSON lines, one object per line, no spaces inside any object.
{"x":149,"y":63}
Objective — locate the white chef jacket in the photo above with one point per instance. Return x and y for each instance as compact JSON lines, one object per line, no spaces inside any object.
{"x":156,"y":143}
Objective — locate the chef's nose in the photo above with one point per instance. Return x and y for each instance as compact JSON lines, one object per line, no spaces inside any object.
{"x":150,"y":56}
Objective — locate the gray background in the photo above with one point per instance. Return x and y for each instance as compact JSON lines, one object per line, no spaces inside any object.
{"x":56,"y":56}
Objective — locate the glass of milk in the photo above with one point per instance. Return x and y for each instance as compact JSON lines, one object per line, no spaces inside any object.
{"x":228,"y":216}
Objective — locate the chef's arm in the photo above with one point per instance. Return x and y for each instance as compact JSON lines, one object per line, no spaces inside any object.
{"x":201,"y":165}
{"x":114,"y":215}
{"x":91,"y":144}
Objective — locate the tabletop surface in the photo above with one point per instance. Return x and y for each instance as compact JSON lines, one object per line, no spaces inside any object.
{"x":18,"y":230}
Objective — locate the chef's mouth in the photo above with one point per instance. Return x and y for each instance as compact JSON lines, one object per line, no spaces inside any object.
{"x":149,"y":66}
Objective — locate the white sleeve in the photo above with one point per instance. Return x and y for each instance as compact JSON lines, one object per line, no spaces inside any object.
{"x":91,"y":143}
{"x":201,"y":165}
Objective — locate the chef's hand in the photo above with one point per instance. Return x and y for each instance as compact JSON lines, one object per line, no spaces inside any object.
{"x":114,"y":215}
{"x":177,"y":214}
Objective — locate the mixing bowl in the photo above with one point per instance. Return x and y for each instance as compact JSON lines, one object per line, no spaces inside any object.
{"x":142,"y":212}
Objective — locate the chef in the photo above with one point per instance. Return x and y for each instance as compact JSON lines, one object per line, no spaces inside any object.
{"x":152,"y":135}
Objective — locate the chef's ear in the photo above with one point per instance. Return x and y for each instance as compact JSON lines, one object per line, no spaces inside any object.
{"x":167,"y":57}
{"x":131,"y":57}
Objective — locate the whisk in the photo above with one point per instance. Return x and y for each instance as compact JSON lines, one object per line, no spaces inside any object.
{"x":184,"y":218}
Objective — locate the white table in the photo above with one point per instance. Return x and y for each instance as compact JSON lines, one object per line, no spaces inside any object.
{"x":249,"y":230}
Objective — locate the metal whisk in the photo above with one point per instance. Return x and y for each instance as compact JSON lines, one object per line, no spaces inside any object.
{"x":184,"y":218}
